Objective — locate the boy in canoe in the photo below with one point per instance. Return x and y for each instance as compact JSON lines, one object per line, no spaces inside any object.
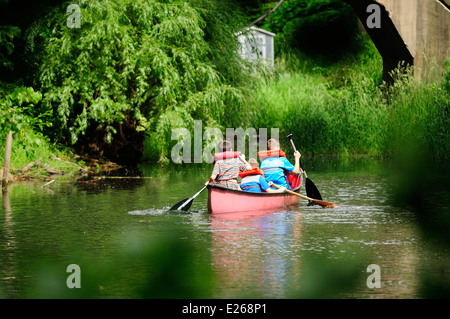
{"x":274,"y":164}
{"x":227,"y":166}
{"x":254,"y":181}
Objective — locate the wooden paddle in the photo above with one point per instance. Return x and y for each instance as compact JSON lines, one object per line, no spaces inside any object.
{"x":315,"y":201}
{"x":311,"y":189}
{"x":186,"y":203}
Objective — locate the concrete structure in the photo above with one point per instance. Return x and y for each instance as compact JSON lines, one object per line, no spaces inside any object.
{"x":257,"y":44}
{"x":424,"y":25}
{"x":416,"y":32}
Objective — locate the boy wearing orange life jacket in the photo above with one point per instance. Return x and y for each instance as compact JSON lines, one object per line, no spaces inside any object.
{"x":274,"y":164}
{"x":254,"y":181}
{"x":227,"y":166}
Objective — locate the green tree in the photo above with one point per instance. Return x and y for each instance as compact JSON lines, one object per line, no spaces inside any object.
{"x":138,"y":66}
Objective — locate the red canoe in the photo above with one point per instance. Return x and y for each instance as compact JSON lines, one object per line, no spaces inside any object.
{"x":223,"y":200}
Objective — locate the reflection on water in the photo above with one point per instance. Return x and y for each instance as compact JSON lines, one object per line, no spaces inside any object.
{"x":9,"y":242}
{"x":110,"y":226}
{"x":263,"y":255}
{"x":257,"y":252}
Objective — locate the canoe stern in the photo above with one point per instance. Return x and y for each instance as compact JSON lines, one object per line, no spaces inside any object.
{"x":223,"y":200}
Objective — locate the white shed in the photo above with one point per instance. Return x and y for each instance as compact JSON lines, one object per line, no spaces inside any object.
{"x":257,"y":44}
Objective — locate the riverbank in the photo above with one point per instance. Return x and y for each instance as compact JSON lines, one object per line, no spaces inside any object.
{"x":66,"y":166}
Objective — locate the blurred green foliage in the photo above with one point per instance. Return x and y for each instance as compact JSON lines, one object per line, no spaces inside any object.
{"x":157,"y":266}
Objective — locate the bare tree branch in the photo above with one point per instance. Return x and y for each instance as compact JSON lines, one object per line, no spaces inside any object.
{"x":268,"y":13}
{"x":57,"y":158}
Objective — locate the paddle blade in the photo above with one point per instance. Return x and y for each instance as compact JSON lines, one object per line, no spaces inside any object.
{"x":311,"y":190}
{"x":185,"y":207}
{"x":325,"y":204}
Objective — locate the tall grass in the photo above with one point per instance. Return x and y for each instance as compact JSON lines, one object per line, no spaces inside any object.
{"x":346,"y":109}
{"x":420,"y":115}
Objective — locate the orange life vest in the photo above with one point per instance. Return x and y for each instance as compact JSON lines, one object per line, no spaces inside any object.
{"x":253,"y":171}
{"x":270,"y":153}
{"x":225,"y":155}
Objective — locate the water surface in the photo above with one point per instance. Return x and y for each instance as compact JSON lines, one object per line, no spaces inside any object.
{"x":129,"y":246}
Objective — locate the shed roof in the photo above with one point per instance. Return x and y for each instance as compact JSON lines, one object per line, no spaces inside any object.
{"x":252,"y":28}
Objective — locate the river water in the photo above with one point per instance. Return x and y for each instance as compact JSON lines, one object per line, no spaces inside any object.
{"x":127,"y":244}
